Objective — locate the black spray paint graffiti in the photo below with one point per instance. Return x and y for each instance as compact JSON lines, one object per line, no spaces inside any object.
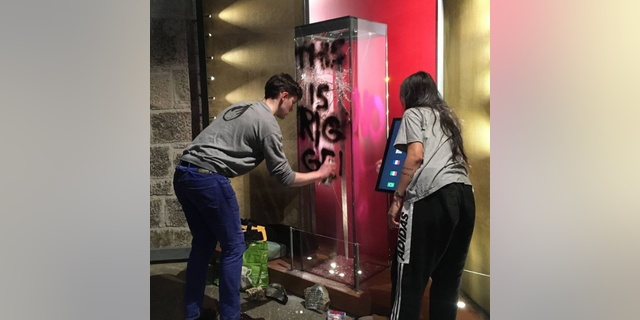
{"x":327,"y":127}
{"x":330,"y":54}
{"x":330,"y":127}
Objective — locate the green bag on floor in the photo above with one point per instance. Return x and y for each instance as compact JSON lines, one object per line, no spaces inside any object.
{"x":254,"y":265}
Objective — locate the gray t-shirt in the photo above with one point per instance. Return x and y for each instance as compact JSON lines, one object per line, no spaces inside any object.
{"x":238,"y":140}
{"x":420,"y":124}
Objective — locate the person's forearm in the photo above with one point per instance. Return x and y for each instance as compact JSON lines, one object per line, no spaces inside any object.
{"x":303,"y":179}
{"x":411,"y":164}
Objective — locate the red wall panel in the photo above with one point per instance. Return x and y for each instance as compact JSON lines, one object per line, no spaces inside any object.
{"x":411,"y":31}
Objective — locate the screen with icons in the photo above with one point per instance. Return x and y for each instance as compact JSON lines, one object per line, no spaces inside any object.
{"x":392,"y":162}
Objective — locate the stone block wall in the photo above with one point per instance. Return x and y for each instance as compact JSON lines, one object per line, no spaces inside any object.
{"x":170,"y":117}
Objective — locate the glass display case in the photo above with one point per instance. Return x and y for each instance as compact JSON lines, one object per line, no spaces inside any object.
{"x":341,"y":64}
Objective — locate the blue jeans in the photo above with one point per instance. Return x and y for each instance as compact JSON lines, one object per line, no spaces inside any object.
{"x":211,"y":208}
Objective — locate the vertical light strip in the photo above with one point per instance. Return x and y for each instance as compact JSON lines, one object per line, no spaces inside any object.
{"x":440,"y":48}
{"x":345,"y":207}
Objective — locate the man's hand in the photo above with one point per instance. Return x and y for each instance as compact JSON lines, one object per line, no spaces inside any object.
{"x":328,"y":168}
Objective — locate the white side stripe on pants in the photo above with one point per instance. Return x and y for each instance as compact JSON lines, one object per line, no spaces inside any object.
{"x":403,"y":254}
{"x":395,"y":313}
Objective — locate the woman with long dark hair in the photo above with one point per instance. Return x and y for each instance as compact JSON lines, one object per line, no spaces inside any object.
{"x":433,"y":206}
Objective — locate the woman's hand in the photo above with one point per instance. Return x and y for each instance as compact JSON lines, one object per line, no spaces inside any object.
{"x":393,"y":215}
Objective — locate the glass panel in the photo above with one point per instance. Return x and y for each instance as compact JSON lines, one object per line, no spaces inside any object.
{"x":326,"y":257}
{"x":322,"y":69}
{"x":341,"y":65}
{"x":368,"y":138}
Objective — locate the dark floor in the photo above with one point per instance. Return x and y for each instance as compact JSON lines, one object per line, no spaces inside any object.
{"x":167,"y":289}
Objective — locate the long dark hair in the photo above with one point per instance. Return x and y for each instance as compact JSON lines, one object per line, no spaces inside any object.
{"x":419,"y":90}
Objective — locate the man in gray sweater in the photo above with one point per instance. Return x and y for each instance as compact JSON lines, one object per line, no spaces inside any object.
{"x":235,"y":143}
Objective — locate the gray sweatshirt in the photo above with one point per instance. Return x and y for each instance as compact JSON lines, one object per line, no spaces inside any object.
{"x":238,"y":140}
{"x":422,"y":125}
